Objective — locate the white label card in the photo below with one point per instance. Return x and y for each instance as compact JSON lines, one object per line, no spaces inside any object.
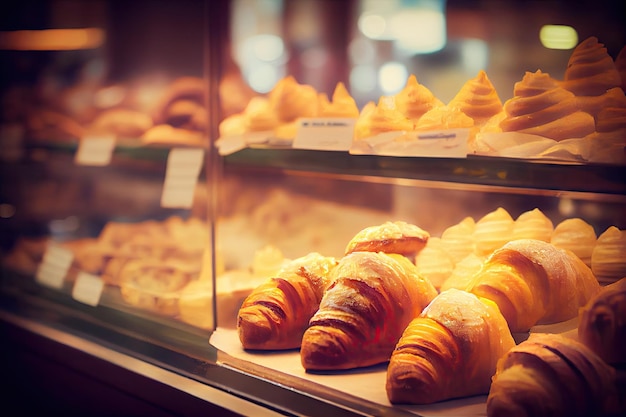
{"x":181,"y":177}
{"x":95,"y":150}
{"x":54,"y":266}
{"x":450,"y":143}
{"x":330,"y":134}
{"x":88,"y":289}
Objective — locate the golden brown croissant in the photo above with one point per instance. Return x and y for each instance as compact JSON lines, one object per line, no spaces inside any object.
{"x":552,"y":375}
{"x":372,"y":298}
{"x":390,"y":237}
{"x":276,"y":313}
{"x":534,"y":282}
{"x":602,"y":324}
{"x":449,"y":351}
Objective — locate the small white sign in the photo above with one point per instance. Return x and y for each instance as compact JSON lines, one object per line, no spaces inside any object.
{"x":95,"y":150}
{"x":88,"y":289}
{"x":329,"y":134}
{"x":54,"y":266}
{"x":181,"y":177}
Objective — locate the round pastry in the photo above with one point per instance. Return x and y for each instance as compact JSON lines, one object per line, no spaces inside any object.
{"x":533,"y":224}
{"x":233,"y":125}
{"x":123,"y":123}
{"x":380,"y":118}
{"x":180,"y":113}
{"x":390,"y":237}
{"x":342,"y":104}
{"x":492,"y":231}
{"x":593,"y":105}
{"x":539,"y":106}
{"x":183,"y":88}
{"x":152,"y":285}
{"x":259,"y":115}
{"x":576,"y":235}
{"x":290,"y":100}
{"x":602,"y":323}
{"x":434,"y":263}
{"x":52,"y":125}
{"x":195,"y":304}
{"x":458,"y":239}
{"x":478,"y":99}
{"x":608,"y":262}
{"x":463,"y":272}
{"x":414,"y":100}
{"x":444,"y":117}
{"x":608,"y":143}
{"x":267,"y":261}
{"x":165,"y":134}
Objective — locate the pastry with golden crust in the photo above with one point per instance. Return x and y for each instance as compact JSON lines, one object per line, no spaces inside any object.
{"x":602,"y":323}
{"x":449,"y":351}
{"x":390,"y":237}
{"x":552,"y":375}
{"x":277,"y":312}
{"x":534,"y":282}
{"x":371,"y":299}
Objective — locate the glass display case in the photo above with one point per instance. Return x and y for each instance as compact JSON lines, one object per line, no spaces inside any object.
{"x":157,"y":168}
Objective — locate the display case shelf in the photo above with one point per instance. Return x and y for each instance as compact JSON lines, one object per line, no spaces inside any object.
{"x":512,"y":174}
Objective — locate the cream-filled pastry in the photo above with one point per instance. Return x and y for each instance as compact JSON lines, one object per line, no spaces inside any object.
{"x":341,"y":105}
{"x":414,"y":100}
{"x":541,"y":107}
{"x":590,"y":70}
{"x":478,"y":99}
{"x":379,"y":118}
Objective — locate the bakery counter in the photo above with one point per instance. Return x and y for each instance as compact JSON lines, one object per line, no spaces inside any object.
{"x":473,"y":172}
{"x":131,"y":358}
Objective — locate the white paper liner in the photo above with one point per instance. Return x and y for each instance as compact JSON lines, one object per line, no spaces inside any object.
{"x":448,"y":143}
{"x":526,"y":146}
{"x":369,"y":383}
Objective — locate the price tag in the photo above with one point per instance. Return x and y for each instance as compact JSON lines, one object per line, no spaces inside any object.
{"x":54,"y":266}
{"x":95,"y":150}
{"x":181,"y":177}
{"x":449,"y":143}
{"x":330,"y":134}
{"x":88,"y":289}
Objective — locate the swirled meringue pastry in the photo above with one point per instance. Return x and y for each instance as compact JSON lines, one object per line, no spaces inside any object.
{"x":478,"y":99}
{"x":541,"y":107}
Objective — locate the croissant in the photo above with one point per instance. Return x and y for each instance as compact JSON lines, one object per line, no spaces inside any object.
{"x":552,"y":375}
{"x":449,"y":351}
{"x":602,"y":323}
{"x":276,"y":313}
{"x":372,"y":298}
{"x":534,"y":282}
